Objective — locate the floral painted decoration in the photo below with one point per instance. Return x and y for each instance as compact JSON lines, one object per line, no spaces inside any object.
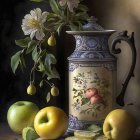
{"x":40,"y":29}
{"x":90,"y":100}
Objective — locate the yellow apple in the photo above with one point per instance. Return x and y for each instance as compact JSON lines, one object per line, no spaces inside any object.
{"x":119,"y":125}
{"x":51,"y":122}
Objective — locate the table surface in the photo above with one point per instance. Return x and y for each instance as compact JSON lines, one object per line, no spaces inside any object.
{"x":7,"y":134}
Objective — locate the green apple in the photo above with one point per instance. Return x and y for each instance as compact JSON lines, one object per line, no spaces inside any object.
{"x":51,"y":122}
{"x":21,"y":114}
{"x":119,"y":125}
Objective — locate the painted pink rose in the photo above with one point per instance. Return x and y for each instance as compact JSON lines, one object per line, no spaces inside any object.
{"x":90,"y":92}
{"x":96,"y":99}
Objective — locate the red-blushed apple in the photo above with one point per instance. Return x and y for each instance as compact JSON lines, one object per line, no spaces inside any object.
{"x":51,"y":122}
{"x":21,"y":114}
{"x":119,"y":125}
{"x":91,"y":92}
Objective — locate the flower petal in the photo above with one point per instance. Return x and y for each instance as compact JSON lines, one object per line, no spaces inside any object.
{"x":38,"y":13}
{"x":26,"y":30}
{"x":62,"y":2}
{"x":28,"y":16}
{"x":33,"y":14}
{"x":39,"y":35}
{"x":25,"y":21}
{"x":44,"y":16}
{"x":72,"y":4}
{"x":32,"y":34}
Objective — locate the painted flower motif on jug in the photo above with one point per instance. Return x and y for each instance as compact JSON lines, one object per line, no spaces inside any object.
{"x":92,"y":43}
{"x":90,"y":100}
{"x":78,"y":41}
{"x":75,"y":124}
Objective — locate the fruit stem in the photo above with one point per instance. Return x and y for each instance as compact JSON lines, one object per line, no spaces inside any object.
{"x":32,"y":79}
{"x":50,"y":84}
{"x":52,"y":34}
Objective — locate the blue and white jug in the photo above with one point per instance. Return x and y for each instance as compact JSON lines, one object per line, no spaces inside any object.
{"x":93,"y":75}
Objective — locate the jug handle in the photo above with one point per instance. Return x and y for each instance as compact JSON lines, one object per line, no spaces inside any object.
{"x":131,"y":42}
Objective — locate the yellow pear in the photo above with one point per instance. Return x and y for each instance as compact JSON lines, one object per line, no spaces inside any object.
{"x":31,"y":89}
{"x":54,"y":91}
{"x":51,"y":40}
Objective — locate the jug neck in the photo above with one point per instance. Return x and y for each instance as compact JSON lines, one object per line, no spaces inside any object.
{"x":91,"y":46}
{"x":91,"y":43}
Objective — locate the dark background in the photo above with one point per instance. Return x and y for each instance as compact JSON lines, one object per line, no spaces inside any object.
{"x":112,"y":14}
{"x":13,"y":87}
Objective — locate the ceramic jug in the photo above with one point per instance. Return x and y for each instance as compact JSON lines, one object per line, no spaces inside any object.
{"x":93,"y":75}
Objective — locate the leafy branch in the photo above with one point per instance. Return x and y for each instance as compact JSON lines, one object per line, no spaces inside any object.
{"x":42,"y":27}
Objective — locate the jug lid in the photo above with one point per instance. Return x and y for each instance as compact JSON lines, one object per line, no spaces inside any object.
{"x":92,"y":25}
{"x":92,"y":28}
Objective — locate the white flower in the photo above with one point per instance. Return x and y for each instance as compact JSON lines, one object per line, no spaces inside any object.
{"x":70,"y":3}
{"x":32,"y":24}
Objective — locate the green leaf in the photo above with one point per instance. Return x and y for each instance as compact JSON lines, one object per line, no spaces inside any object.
{"x":42,"y":54}
{"x":37,"y":0}
{"x":59,"y":28}
{"x":31,"y":45}
{"x":28,"y":133}
{"x":46,"y":67}
{"x":80,"y":93}
{"x":35,"y":55}
{"x":22,"y":62}
{"x":83,"y":7}
{"x":51,"y":71}
{"x":41,"y":66}
{"x":81,"y":17}
{"x":84,"y":101}
{"x":74,"y":89}
{"x":41,"y":83}
{"x":54,"y":74}
{"x":23,"y":42}
{"x":48,"y":97}
{"x":50,"y":59}
{"x":52,"y":17}
{"x":43,"y":69}
{"x":80,"y":27}
{"x":54,"y":6}
{"x":73,"y":27}
{"x":15,"y":59}
{"x":75,"y":96}
{"x":83,"y":112}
